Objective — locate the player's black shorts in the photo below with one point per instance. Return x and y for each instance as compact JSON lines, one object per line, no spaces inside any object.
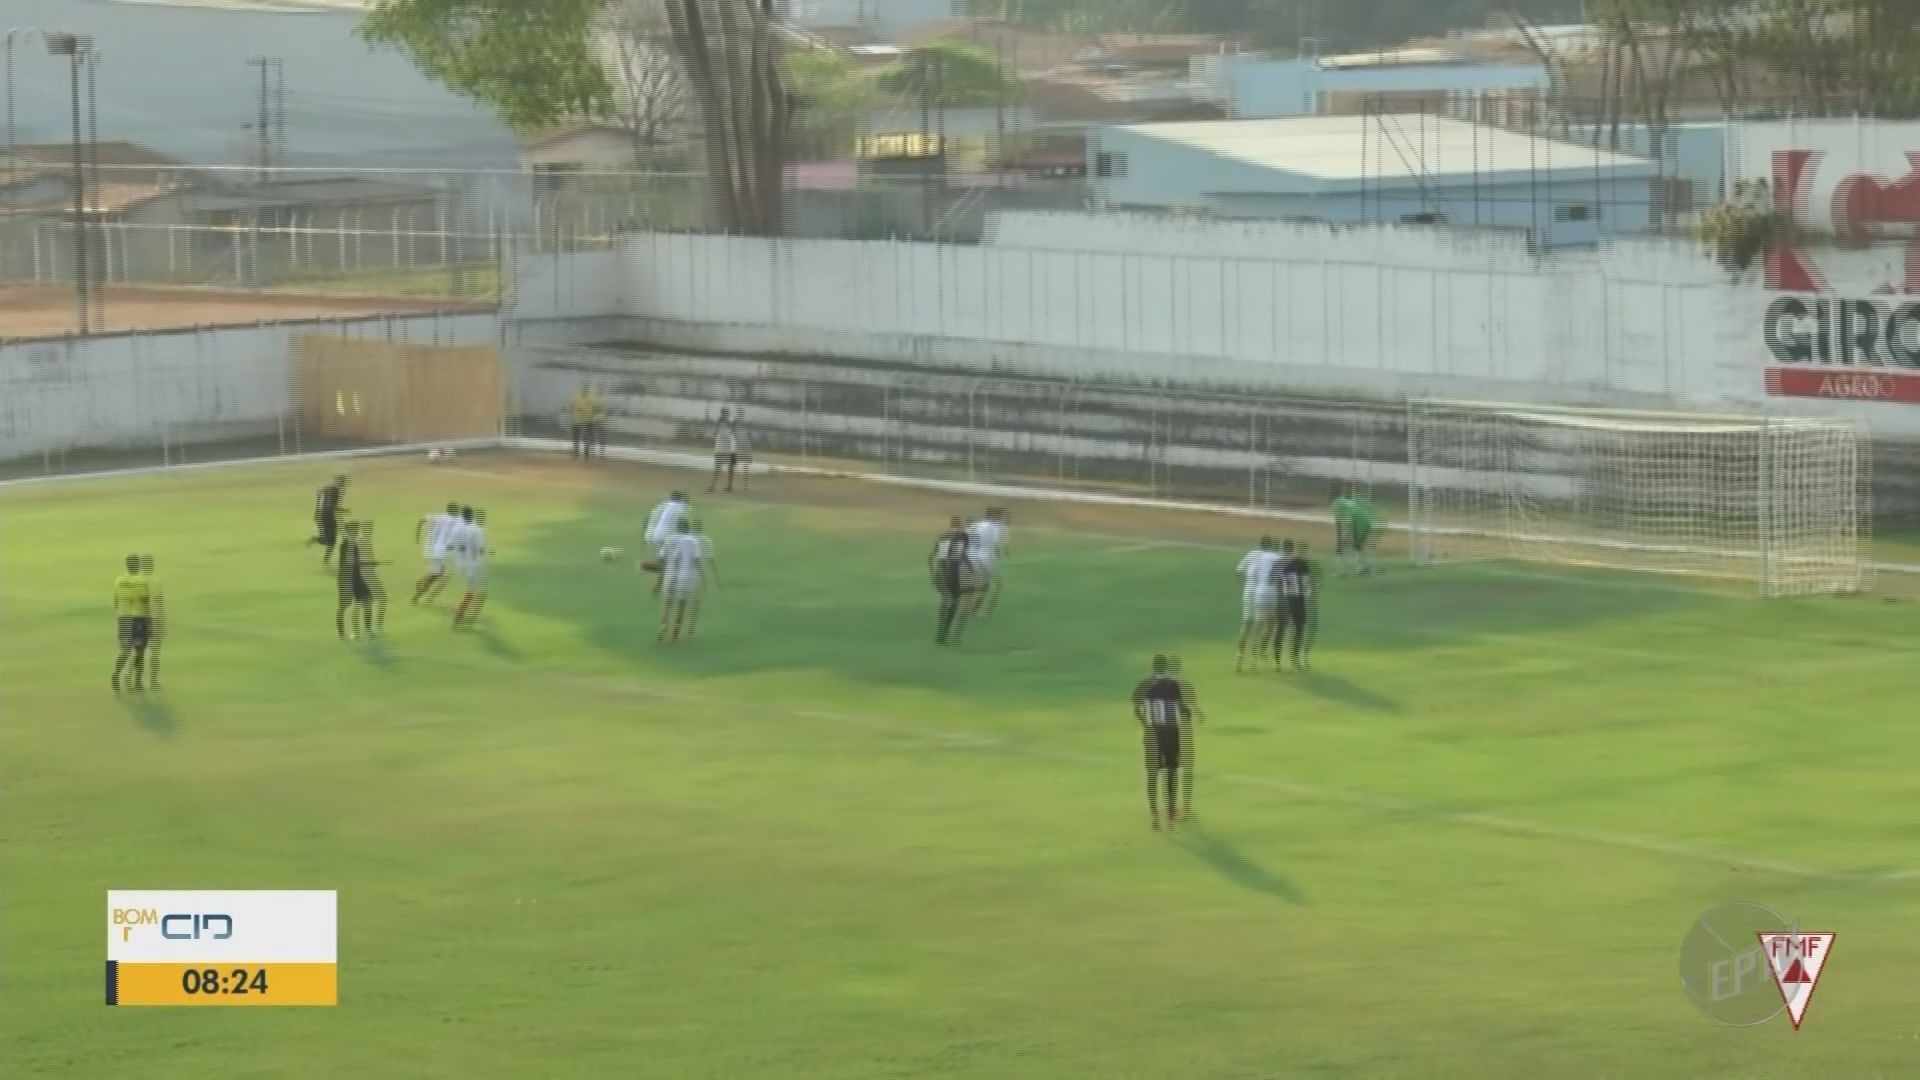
{"x":1297,"y":612}
{"x":326,"y":527}
{"x":135,"y":631}
{"x":726,"y":461}
{"x":950,"y":579}
{"x":355,"y":589}
{"x":1163,"y":746}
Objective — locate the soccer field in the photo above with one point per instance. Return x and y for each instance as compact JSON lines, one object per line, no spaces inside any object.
{"x":810,"y":844}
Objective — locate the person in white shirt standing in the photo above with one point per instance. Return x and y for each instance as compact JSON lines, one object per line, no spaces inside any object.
{"x":468,"y":548}
{"x":433,"y":534}
{"x":683,"y":574}
{"x":987,"y":543}
{"x":1259,"y":601}
{"x":729,"y":451}
{"x":662,"y":524}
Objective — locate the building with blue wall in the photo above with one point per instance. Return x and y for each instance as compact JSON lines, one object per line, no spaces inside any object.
{"x":1253,"y":87}
{"x":1691,"y":158}
{"x":1355,"y":169}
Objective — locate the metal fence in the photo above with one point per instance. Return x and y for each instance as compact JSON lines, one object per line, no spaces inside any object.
{"x":412,"y":232}
{"x":384,"y":232}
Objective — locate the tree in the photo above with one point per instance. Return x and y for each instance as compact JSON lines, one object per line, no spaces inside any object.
{"x":651,"y":96}
{"x":829,"y":99}
{"x":732,"y":57}
{"x":538,"y":62}
{"x":532,"y":61}
{"x":950,"y":74}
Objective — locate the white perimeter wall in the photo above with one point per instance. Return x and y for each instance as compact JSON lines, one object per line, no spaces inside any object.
{"x":1368,"y":311}
{"x":178,"y":387}
{"x":1361,"y":311}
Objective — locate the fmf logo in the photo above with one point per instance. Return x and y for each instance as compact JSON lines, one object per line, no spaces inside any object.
{"x":174,"y":926}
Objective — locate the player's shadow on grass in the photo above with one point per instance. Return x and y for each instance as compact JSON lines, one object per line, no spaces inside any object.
{"x":152,"y":714}
{"x":1344,"y":691}
{"x":1231,"y":863}
{"x":859,"y":605}
{"x":495,"y":645}
{"x":375,"y":653}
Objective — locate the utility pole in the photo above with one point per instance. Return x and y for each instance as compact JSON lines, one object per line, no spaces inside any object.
{"x":929,"y":98}
{"x":270,"y":124}
{"x":7,"y":42}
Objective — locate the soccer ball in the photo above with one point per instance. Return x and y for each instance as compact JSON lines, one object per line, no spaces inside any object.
{"x":609,"y":554}
{"x":433,"y":456}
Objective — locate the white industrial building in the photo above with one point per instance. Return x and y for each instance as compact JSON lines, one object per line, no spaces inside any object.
{"x":1355,"y":169}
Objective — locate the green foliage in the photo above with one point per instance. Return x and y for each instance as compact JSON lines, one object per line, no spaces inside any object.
{"x":1741,"y":229}
{"x":532,"y":61}
{"x":829,"y":98}
{"x":950,"y":73}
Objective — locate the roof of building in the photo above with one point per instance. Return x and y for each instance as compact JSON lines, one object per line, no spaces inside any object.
{"x":1408,"y":57}
{"x":1025,"y":50}
{"x":335,"y":191}
{"x":572,"y":129}
{"x":106,"y":154}
{"x":1162,"y":49}
{"x":107,"y":199}
{"x":1332,"y":152}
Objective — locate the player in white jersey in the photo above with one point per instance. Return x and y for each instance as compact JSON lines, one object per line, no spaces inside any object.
{"x":662,"y":525}
{"x":467,"y":547}
{"x":432,"y":534}
{"x":987,"y":542}
{"x":1259,"y":600}
{"x":729,"y":451}
{"x":683,"y":574}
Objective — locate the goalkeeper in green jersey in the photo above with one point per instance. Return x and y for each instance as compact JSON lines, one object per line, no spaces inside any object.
{"x":1353,"y":527}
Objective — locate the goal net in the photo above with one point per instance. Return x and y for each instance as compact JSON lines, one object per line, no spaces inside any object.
{"x":1779,"y":502}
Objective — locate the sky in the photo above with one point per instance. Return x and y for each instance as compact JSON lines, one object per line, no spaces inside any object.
{"x":176,"y":79}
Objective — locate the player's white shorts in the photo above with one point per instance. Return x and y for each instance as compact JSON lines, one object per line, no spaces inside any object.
{"x":683,"y":585}
{"x":983,"y":567}
{"x":1259,"y":603}
{"x":436,"y":560}
{"x":474,"y":573}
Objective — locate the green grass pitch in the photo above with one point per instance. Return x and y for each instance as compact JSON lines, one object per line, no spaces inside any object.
{"x":809,"y":845}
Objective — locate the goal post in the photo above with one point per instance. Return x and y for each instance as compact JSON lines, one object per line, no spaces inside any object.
{"x":1781,"y":502}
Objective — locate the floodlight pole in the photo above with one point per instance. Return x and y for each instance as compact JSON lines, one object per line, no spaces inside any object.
{"x":76,"y":49}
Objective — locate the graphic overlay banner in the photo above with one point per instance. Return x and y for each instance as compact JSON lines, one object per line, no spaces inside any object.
{"x":222,"y":948}
{"x":1724,"y":969}
{"x":1796,"y":960}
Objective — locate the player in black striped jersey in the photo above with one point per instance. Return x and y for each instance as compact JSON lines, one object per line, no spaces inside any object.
{"x":1163,"y":703}
{"x":1298,"y":584}
{"x":327,"y":513}
{"x":952,"y":572}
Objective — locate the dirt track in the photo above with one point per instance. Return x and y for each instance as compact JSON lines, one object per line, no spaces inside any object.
{"x":49,"y":311}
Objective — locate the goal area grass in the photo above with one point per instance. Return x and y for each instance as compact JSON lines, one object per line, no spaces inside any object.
{"x":808,"y":843}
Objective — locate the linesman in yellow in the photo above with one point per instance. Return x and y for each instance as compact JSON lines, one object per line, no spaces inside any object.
{"x":157,"y":618}
{"x":133,"y":603}
{"x":588,"y":430}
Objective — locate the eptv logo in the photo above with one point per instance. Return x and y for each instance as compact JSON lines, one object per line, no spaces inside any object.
{"x":174,"y":926}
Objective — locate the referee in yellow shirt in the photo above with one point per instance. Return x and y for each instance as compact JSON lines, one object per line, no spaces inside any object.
{"x":133,"y":610}
{"x":587,"y":430}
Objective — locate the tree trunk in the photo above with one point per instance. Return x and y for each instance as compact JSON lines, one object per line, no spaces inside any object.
{"x":732,"y":61}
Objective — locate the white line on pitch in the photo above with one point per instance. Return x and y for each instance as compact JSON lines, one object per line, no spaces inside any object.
{"x":1311,"y":792}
